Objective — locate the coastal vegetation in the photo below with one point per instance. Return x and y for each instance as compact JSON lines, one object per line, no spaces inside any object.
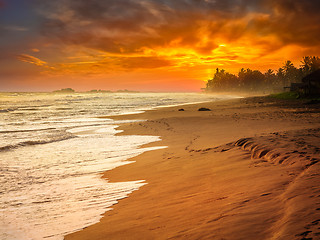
{"x":271,"y":81}
{"x":65,"y":90}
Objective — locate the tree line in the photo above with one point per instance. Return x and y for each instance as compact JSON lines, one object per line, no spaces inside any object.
{"x":256,"y":81}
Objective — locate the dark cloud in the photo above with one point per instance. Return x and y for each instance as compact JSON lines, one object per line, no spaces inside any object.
{"x":291,"y":21}
{"x":126,"y":26}
{"x":111,"y":26}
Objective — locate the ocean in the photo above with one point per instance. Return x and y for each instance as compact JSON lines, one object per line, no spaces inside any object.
{"x":53,"y":150}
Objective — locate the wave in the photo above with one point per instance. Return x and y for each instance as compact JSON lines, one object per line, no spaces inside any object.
{"x":6,"y":110}
{"x":27,"y":130}
{"x":25,"y":108}
{"x":59,"y":138}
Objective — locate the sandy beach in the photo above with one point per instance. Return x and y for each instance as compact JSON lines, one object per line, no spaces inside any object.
{"x":247,"y":169}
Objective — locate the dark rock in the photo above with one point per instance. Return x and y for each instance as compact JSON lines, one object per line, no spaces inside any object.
{"x":181,"y":109}
{"x":204,"y":109}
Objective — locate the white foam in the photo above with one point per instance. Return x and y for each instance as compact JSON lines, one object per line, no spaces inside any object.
{"x":54,"y":188}
{"x":50,"y":189}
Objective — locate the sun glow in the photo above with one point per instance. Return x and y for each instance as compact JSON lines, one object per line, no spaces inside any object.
{"x":153,"y":40}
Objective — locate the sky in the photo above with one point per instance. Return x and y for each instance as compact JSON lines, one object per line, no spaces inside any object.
{"x":148,"y":45}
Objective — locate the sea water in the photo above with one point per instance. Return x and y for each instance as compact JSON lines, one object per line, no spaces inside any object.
{"x":53,"y":149}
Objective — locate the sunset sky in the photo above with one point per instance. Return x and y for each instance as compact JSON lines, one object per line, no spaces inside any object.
{"x":148,"y":45}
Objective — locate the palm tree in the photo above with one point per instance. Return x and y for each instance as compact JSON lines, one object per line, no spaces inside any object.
{"x":290,"y":72}
{"x":287,"y":67}
{"x":281,"y":76}
{"x":306,"y":65}
{"x":270,"y":78}
{"x":310,"y":64}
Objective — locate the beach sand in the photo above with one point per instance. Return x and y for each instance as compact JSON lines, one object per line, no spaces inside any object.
{"x":248,"y":169}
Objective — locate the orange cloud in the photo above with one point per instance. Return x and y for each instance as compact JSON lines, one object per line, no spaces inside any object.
{"x":131,"y":27}
{"x":184,"y":39}
{"x":30,"y":59}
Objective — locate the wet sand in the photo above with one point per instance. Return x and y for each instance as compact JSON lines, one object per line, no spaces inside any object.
{"x":247,"y":169}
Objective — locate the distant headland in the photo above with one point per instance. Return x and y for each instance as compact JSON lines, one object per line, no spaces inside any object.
{"x":65,"y":90}
{"x":70,"y":90}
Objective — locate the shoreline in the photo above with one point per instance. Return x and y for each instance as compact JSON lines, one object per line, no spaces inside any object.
{"x":204,"y":186}
{"x":126,"y":115}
